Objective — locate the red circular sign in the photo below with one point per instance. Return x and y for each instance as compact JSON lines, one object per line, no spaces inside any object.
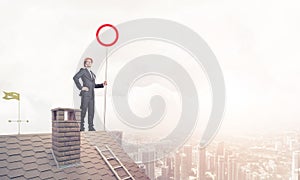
{"x":114,"y":28}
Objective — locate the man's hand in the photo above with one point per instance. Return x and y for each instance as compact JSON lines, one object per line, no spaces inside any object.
{"x":105,"y":83}
{"x":85,"y":89}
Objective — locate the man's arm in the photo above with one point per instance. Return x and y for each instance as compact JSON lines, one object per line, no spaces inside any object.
{"x":101,"y":85}
{"x":77,"y":77}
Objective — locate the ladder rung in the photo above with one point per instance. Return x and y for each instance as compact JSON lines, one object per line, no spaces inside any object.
{"x":117,"y":167}
{"x":110,"y":158}
{"x":129,"y":177}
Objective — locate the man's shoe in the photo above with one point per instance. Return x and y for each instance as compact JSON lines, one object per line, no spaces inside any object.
{"x":92,"y":129}
{"x":82,"y":129}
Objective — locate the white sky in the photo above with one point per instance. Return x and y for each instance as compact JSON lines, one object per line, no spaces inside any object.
{"x":256,"y":43}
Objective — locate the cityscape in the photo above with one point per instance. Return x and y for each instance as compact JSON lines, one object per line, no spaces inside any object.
{"x":249,"y":157}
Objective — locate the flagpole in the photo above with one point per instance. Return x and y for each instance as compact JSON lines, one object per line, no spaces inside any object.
{"x":105,"y":89}
{"x":17,"y":96}
{"x":19,"y":115}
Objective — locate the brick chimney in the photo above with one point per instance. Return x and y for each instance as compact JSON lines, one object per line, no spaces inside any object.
{"x":66,"y":136}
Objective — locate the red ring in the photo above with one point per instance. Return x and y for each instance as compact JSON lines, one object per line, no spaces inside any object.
{"x":114,"y":28}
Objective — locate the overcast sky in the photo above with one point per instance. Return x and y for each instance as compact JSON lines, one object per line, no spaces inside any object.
{"x":256,"y":43}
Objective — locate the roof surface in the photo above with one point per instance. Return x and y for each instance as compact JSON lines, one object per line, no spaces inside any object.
{"x":30,"y":157}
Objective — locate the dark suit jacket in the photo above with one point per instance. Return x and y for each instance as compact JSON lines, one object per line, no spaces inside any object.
{"x":87,"y":81}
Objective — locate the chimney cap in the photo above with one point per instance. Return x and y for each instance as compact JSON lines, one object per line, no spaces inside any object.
{"x":66,"y":109}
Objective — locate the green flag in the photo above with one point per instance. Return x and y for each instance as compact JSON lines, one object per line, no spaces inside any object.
{"x":11,"y":95}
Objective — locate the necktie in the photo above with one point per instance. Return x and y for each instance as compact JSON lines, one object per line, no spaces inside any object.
{"x":91,"y":75}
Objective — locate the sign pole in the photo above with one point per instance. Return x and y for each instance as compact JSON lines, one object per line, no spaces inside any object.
{"x":106,"y":62}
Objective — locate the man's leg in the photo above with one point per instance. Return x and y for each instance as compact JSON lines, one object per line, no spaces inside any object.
{"x":91,"y":106}
{"x":83,"y":107}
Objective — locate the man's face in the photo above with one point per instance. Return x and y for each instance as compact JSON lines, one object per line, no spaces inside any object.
{"x":88,"y":63}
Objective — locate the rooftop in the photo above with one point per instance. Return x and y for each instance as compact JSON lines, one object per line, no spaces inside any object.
{"x":30,"y":157}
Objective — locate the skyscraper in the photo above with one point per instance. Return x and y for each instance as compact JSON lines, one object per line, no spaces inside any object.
{"x":164,"y":172}
{"x":148,"y":159}
{"x":170,"y":164}
{"x":211,"y":161}
{"x":177,"y":166}
{"x":221,"y":149}
{"x":221,"y":168}
{"x":296,"y":165}
{"x":184,"y":173}
{"x":187,"y":160}
{"x":232,"y":168}
{"x":220,"y":158}
{"x":202,"y":163}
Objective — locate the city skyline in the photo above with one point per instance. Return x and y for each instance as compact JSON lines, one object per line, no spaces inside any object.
{"x":269,"y":157}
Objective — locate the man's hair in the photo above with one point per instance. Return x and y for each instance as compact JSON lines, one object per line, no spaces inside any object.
{"x":86,"y":59}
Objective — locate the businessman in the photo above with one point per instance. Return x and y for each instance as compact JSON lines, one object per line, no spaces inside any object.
{"x":87,"y":92}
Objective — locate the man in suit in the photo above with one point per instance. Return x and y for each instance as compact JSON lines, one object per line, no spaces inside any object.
{"x":87,"y":92}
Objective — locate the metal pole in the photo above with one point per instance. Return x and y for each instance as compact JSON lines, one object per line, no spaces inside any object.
{"x":105,"y":89}
{"x":19,"y":115}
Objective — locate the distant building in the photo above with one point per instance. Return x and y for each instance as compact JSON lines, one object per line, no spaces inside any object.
{"x":148,"y":158}
{"x":186,"y":165}
{"x":221,"y":168}
{"x":221,"y":149}
{"x":202,"y":163}
{"x":211,"y":162}
{"x":232,"y":171}
{"x":220,"y":153}
{"x":177,"y":165}
{"x":165,"y":173}
{"x":170,"y":164}
{"x":296,"y":165}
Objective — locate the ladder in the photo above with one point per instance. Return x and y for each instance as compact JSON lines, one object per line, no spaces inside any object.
{"x":119,"y":166}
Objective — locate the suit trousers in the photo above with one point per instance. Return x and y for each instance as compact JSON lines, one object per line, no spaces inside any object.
{"x":87,"y":104}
